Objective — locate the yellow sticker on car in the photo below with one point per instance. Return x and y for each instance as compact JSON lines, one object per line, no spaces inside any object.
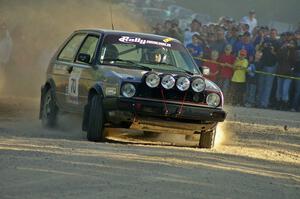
{"x":166,"y":40}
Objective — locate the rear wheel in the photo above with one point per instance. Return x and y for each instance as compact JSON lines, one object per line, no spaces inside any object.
{"x":49,"y":110}
{"x":95,"y":131}
{"x":207,"y":139}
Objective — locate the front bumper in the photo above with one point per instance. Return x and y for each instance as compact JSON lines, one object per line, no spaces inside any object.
{"x":139,"y":107}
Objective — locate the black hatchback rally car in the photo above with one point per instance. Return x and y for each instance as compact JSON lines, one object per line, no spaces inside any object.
{"x":124,"y":79}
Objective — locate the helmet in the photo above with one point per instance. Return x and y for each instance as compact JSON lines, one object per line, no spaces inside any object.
{"x":157,"y":55}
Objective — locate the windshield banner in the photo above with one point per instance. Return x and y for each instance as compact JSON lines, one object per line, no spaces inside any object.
{"x":127,"y":40}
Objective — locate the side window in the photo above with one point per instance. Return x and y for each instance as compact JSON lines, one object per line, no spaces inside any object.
{"x":69,"y":51}
{"x":89,"y":46}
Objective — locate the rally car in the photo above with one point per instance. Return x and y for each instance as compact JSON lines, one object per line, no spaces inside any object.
{"x":125,"y":79}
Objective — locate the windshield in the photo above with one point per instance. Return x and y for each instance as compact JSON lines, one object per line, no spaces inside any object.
{"x":146,"y":53}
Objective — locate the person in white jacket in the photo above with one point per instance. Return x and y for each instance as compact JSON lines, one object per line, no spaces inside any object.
{"x":250,"y":20}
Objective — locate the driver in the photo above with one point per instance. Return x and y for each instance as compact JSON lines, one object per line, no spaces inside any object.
{"x":157,"y":56}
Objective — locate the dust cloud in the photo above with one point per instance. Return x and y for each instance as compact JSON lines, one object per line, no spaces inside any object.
{"x":224,"y":135}
{"x":38,"y":27}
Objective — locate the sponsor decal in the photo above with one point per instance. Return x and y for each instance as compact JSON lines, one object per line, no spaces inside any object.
{"x":111,"y":91}
{"x":166,"y":40}
{"x":128,"y":40}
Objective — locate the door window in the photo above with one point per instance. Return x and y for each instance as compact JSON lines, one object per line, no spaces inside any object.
{"x":69,"y":51}
{"x":89,"y":46}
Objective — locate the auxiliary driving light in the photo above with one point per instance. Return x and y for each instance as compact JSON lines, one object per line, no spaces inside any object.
{"x":183,"y":83}
{"x":152,"y":80}
{"x":128,"y":90}
{"x":168,"y":82}
{"x":198,"y":85}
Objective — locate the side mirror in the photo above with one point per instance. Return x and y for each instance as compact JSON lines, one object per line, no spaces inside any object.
{"x":206,"y":70}
{"x":85,"y":58}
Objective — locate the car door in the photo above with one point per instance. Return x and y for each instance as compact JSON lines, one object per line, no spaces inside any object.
{"x":63,"y":66}
{"x":81,"y":77}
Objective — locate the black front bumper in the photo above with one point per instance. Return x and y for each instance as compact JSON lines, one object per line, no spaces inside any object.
{"x":158,"y":109}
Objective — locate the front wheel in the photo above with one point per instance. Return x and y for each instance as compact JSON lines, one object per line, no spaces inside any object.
{"x":207,"y":139}
{"x":95,"y":130}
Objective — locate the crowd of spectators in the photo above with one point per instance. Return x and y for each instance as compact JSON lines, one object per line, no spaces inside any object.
{"x":242,"y":56}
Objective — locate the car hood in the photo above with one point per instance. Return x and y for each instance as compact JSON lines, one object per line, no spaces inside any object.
{"x":130,"y":74}
{"x":127,"y":74}
{"x":118,"y":74}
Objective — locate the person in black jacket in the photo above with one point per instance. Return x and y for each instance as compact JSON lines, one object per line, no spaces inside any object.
{"x":296,"y":100}
{"x":286,"y":56}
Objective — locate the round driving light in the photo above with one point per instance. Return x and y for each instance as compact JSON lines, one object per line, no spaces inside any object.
{"x":152,"y":80}
{"x":183,"y":83}
{"x":213,"y":99}
{"x":198,"y":85}
{"x":168,"y":82}
{"x":128,"y":90}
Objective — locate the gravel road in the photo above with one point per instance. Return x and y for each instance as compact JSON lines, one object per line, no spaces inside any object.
{"x":257,"y":156}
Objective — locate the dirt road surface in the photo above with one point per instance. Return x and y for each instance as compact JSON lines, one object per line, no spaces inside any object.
{"x":257,"y":156}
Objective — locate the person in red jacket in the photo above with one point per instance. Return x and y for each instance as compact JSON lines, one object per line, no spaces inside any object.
{"x":226,"y":71}
{"x":213,"y":66}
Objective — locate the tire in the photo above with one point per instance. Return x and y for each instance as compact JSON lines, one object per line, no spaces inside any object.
{"x":207,"y":139}
{"x":49,"y":110}
{"x":95,"y":130}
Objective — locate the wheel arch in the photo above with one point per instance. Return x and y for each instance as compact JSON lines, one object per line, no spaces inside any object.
{"x":95,"y":90}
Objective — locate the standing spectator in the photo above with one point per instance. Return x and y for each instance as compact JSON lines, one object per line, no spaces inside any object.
{"x":228,"y":59}
{"x":259,"y":38}
{"x":212,"y":39}
{"x":244,"y":28}
{"x":250,"y":20}
{"x":238,"y":80}
{"x":157,"y":29}
{"x":286,"y":55}
{"x":232,"y":36}
{"x":195,"y":28}
{"x":5,"y":51}
{"x":166,"y":28}
{"x":252,"y":80}
{"x":175,"y":31}
{"x":220,"y":42}
{"x":255,"y":33}
{"x":269,"y":65}
{"x":196,"y":49}
{"x":296,"y":100}
{"x":245,"y":44}
{"x":213,"y":66}
{"x":206,"y":48}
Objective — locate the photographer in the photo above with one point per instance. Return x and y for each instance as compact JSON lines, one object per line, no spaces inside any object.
{"x":269,"y":63}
